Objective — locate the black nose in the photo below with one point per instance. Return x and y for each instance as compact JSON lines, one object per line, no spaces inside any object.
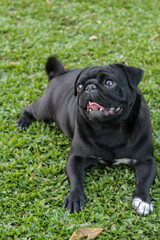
{"x":90,"y":88}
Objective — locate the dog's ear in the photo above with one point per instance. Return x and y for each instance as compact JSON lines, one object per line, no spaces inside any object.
{"x":53,"y":68}
{"x":133,"y":74}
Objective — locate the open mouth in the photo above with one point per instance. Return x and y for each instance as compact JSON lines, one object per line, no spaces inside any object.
{"x":92,"y":106}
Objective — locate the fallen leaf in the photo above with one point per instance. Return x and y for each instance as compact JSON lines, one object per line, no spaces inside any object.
{"x":84,"y":232}
{"x":12,"y":11}
{"x":34,"y":174}
{"x":124,"y":62}
{"x":21,"y":212}
{"x":73,"y":18}
{"x":99,"y":22}
{"x":155,"y":36}
{"x":113,"y":228}
{"x":86,"y":53}
{"x":19,"y":22}
{"x":93,"y":37}
{"x":149,"y":102}
{"x":48,"y":2}
{"x":76,"y":236}
{"x":44,"y":179}
{"x":94,"y":232}
{"x":89,"y":14}
{"x":14,"y":63}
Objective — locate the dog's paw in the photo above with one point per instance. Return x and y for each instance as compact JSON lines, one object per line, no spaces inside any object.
{"x":143,"y":208}
{"x":75,"y":201}
{"x":23,"y":123}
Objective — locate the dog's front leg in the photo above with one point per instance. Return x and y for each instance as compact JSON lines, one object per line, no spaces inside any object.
{"x":145,"y":174}
{"x":75,"y":200}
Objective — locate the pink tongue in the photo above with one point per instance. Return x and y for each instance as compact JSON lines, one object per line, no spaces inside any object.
{"x":94,"y":106}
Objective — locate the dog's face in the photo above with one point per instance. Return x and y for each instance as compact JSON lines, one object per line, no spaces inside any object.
{"x":107,"y":93}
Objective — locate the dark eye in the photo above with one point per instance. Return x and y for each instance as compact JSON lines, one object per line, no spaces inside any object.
{"x":109,"y":83}
{"x":79,"y":87}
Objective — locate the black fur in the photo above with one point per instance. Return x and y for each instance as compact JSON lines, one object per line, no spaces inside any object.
{"x":53,"y":68}
{"x":102,"y":111}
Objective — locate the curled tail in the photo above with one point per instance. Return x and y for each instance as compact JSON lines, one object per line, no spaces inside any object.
{"x":53,"y":68}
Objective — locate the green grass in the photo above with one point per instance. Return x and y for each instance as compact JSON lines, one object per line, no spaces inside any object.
{"x":30,"y":32}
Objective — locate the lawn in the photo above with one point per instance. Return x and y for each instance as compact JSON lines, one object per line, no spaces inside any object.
{"x":31,"y":31}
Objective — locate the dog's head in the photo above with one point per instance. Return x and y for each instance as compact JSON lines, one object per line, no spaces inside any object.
{"x":107,"y":93}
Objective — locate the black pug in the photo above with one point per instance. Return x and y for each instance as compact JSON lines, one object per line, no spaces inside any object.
{"x":102,"y":111}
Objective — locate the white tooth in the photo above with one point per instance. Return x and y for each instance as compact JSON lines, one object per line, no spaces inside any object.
{"x":101,"y":109}
{"x":90,"y":110}
{"x":111,"y":109}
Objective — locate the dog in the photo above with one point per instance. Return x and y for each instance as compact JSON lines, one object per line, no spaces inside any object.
{"x":104,"y":114}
